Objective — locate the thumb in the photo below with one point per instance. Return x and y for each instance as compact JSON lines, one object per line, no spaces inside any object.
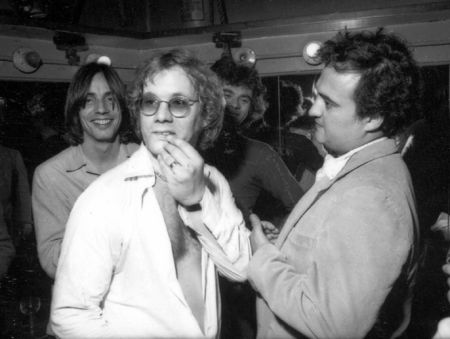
{"x":255,"y":222}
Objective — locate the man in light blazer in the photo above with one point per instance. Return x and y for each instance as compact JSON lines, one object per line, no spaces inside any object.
{"x":344,"y":263}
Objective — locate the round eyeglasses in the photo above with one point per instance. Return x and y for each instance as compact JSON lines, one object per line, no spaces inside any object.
{"x":179,"y":107}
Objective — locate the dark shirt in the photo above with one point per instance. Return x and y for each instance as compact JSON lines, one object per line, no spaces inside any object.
{"x":252,"y":167}
{"x":15,"y":202}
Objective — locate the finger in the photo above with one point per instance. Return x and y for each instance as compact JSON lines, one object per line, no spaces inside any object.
{"x":269,"y":227}
{"x":177,"y":154}
{"x":188,"y":150}
{"x":165,"y":166}
{"x":167,"y":158}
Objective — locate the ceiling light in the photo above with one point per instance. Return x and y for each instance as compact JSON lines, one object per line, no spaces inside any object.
{"x":244,"y":56}
{"x":26,"y":60}
{"x":310,"y":53}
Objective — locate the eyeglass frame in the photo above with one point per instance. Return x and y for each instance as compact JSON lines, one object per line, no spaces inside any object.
{"x":190,"y":103}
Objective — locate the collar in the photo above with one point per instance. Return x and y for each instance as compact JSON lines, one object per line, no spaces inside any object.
{"x":332,"y":166}
{"x":77,"y":161}
{"x":140,"y":166}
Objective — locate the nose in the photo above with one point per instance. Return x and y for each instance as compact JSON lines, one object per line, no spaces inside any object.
{"x":233,"y":102}
{"x":315,"y":111}
{"x":163,"y":113}
{"x":102,"y":107}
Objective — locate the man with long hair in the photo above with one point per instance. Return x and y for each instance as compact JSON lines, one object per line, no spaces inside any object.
{"x":98,"y":124}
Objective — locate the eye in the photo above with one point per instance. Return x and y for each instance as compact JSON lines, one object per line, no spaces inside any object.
{"x":149,"y":102}
{"x":111,"y":101}
{"x":179,"y":102}
{"x":89,"y":101}
{"x":227,"y":95}
{"x":328,"y":104}
{"x":244,"y":100}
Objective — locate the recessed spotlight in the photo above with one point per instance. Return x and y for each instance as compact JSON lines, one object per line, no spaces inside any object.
{"x":310,"y":52}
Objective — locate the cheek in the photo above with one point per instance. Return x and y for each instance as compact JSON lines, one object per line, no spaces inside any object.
{"x":144,"y":126}
{"x":190,"y":130}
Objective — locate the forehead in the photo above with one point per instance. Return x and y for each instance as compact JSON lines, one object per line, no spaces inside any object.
{"x":170,"y":81}
{"x":237,"y":90}
{"x":338,"y":86}
{"x":98,"y":83}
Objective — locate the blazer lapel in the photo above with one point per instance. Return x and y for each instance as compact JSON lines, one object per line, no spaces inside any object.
{"x":370,"y":153}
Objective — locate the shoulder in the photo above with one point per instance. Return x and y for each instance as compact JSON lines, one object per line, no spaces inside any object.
{"x":257,"y":147}
{"x":119,"y":177}
{"x":56,"y":165}
{"x":131,"y":147}
{"x":6,"y":152}
{"x":383,"y":185}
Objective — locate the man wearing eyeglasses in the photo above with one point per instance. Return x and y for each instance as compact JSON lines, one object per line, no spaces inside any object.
{"x":145,"y":241}
{"x":98,"y":125}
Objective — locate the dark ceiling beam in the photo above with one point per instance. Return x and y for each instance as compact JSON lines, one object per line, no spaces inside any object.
{"x":424,"y":12}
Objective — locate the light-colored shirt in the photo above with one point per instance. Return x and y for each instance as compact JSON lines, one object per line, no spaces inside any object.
{"x":57,"y":183}
{"x":116,"y":276}
{"x":332,"y":166}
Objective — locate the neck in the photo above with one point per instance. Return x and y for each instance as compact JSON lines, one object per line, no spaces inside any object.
{"x":102,"y":155}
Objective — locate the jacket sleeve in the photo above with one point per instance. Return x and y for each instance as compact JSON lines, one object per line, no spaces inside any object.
{"x":347,"y":270}
{"x":50,"y":216}
{"x":278,"y":180}
{"x":22,"y":198}
{"x":223,"y":220}
{"x":90,"y":251}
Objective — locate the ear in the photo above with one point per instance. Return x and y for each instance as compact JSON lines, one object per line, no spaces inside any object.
{"x":373,"y":124}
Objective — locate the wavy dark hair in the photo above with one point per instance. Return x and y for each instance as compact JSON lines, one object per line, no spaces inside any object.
{"x":205,"y":83}
{"x":76,"y":99}
{"x":239,"y":75}
{"x":390,"y":79}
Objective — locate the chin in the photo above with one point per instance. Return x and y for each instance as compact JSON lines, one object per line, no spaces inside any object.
{"x":155,"y":147}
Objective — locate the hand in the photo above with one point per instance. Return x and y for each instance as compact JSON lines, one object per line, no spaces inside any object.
{"x":183,"y":166}
{"x":270,"y":230}
{"x":257,"y":237}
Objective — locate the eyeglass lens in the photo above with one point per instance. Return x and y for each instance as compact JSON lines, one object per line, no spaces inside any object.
{"x":178,"y":106}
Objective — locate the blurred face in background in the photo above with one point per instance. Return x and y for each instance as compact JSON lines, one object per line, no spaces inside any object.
{"x":239,"y":102}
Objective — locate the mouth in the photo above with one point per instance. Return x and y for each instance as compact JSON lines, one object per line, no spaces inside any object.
{"x":163,"y":134}
{"x":102,"y":122}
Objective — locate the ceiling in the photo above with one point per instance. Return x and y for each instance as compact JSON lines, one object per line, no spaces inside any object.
{"x":146,"y":19}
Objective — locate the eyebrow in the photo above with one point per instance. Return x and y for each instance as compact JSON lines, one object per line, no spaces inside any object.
{"x":327,"y":98}
{"x":323,"y":95}
{"x":95,"y":94}
{"x":179,"y":94}
{"x":229,"y":91}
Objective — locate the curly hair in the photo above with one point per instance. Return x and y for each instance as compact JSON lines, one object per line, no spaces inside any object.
{"x":76,"y":99}
{"x":389,"y":86}
{"x":205,"y":83}
{"x":238,"y":75}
